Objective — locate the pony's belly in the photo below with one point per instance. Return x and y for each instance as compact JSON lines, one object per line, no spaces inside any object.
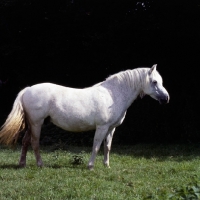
{"x":75,"y":126}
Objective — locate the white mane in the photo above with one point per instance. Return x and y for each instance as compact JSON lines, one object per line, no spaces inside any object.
{"x":132,"y":78}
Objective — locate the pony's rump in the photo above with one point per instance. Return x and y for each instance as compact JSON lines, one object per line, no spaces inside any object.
{"x":15,"y":122}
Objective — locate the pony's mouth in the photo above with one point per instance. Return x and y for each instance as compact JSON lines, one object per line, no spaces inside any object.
{"x":163,"y":100}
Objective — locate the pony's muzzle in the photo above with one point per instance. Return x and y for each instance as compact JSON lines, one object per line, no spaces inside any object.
{"x":164,"y":99}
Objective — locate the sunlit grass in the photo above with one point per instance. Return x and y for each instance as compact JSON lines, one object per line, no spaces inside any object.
{"x":136,"y":172}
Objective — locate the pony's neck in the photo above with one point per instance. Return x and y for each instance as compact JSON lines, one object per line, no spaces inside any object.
{"x":126,"y":86}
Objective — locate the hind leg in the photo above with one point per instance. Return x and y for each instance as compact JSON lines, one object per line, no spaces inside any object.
{"x":35,"y":138}
{"x":25,"y":144}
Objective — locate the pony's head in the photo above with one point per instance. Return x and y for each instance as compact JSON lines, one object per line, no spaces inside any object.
{"x":154,"y":87}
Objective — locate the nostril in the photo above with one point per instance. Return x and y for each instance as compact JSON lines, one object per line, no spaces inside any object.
{"x":164,"y":100}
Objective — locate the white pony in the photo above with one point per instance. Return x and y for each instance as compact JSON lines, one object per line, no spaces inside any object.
{"x":101,"y":107}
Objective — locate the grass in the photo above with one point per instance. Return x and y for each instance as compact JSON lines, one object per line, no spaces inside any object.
{"x":137,"y":172}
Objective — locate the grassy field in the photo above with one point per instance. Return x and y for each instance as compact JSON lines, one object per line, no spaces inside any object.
{"x":144,"y":171}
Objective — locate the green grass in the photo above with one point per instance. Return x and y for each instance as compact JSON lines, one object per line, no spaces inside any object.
{"x":136,"y":172}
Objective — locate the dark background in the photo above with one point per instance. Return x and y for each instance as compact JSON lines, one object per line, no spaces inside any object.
{"x":78,"y":43}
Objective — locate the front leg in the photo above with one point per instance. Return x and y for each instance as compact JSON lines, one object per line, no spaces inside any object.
{"x":107,"y":147}
{"x":100,"y":134}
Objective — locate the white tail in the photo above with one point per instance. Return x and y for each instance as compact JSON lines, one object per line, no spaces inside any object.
{"x":14,"y":123}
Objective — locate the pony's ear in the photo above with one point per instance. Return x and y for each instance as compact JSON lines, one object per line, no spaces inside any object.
{"x":152,"y":68}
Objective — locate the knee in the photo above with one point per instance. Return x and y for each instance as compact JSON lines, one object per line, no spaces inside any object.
{"x":108,"y":147}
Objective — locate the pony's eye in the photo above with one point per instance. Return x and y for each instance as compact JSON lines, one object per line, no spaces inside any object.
{"x":154,"y":82}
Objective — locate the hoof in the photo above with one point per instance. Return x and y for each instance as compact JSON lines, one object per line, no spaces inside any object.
{"x":22,"y":165}
{"x":106,"y":165}
{"x":91,"y":167}
{"x":40,"y":165}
